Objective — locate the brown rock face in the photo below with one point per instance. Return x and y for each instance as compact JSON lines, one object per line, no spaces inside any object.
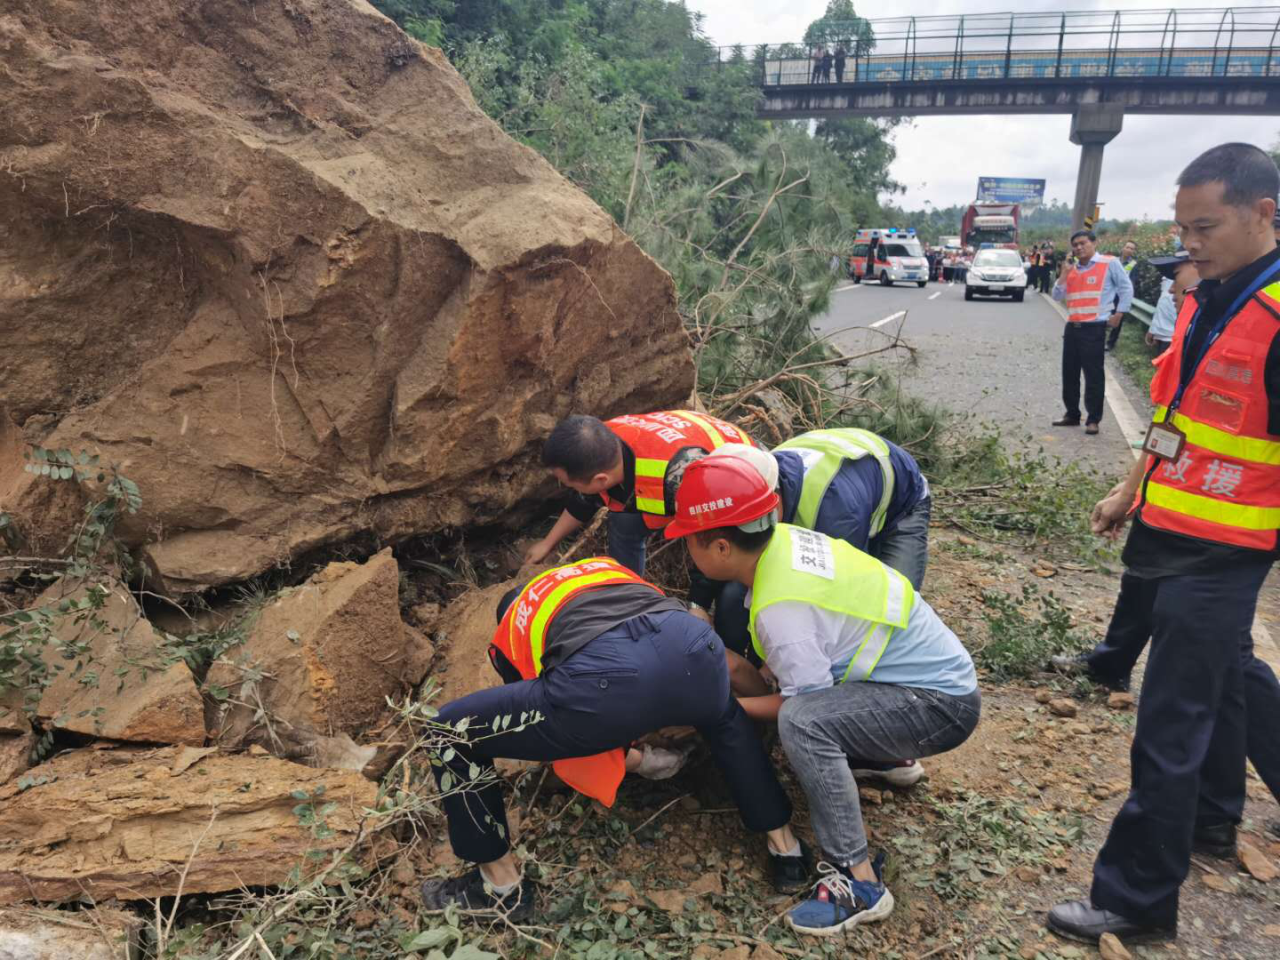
{"x":466,"y":627}
{"x":274,"y":261}
{"x":97,"y":933}
{"x":124,"y":826}
{"x":137,"y":695}
{"x":332,"y":650}
{"x":15,"y":755}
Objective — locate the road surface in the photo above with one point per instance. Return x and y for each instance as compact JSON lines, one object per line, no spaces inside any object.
{"x":997,"y":360}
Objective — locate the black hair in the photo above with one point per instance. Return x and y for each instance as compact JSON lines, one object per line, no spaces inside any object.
{"x":1247,"y":173}
{"x":750,"y":542}
{"x":1085,"y":233}
{"x":507,"y":600}
{"x":581,"y":446}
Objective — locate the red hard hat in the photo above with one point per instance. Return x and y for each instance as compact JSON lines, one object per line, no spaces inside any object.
{"x":720,"y":492}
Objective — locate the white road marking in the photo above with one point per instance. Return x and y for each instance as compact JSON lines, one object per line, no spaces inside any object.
{"x":889,"y":319}
{"x":849,"y":286}
{"x":935,"y":296}
{"x":1134,"y":428}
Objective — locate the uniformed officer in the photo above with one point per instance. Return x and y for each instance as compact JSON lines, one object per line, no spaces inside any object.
{"x":1207,"y":503}
{"x":631,"y":465}
{"x":602,"y":657}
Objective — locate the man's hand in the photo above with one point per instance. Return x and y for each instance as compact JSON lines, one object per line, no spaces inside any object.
{"x":1111,"y":513}
{"x":1114,"y":319}
{"x":1063,"y":267}
{"x":538,"y":552}
{"x":1148,"y":339}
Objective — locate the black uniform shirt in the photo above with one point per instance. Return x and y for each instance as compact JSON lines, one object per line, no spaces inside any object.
{"x":1151,"y":553}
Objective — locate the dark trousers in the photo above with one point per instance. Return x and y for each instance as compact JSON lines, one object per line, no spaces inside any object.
{"x":628,"y":536}
{"x":652,"y":671}
{"x":1046,"y":279}
{"x":1082,"y":353}
{"x":1114,"y":658}
{"x":1114,"y":333}
{"x":1187,"y":762}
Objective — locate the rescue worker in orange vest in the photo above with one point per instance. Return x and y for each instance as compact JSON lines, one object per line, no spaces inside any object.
{"x":633,"y":465}
{"x":1206,"y":498}
{"x":1098,"y":293}
{"x":595,"y":657}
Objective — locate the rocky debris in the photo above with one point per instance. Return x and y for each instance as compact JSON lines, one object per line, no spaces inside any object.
{"x":1256,"y":862}
{"x":123,"y":824}
{"x":467,"y":626}
{"x":139,"y":693}
{"x":672,"y":901}
{"x":301,"y":297}
{"x":1271,"y":930}
{"x":765,"y":952}
{"x":97,"y":933}
{"x":1112,"y":949}
{"x":707,"y":883}
{"x":12,"y":719}
{"x":1044,"y":696}
{"x":1062,"y":707}
{"x":1121,"y":701}
{"x":1044,"y":569}
{"x":319,"y":658}
{"x":740,"y":952}
{"x":15,"y":756}
{"x":1217,"y":882}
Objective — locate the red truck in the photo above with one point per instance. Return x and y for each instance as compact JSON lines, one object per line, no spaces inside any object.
{"x":990,"y":223}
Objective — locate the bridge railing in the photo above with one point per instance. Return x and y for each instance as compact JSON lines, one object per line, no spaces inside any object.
{"x":1234,"y":42}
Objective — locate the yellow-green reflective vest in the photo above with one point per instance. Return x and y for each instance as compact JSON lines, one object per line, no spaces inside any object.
{"x":823,"y":453}
{"x":810,"y":567}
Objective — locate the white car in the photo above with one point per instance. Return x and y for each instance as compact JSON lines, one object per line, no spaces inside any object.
{"x":996,"y":273}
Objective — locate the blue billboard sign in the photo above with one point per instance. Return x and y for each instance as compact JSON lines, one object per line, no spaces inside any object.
{"x":1011,"y":190}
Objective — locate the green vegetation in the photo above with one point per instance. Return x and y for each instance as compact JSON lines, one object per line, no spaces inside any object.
{"x":1019,"y":644}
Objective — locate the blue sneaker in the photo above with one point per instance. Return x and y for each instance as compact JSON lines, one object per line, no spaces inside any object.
{"x":840,"y":902}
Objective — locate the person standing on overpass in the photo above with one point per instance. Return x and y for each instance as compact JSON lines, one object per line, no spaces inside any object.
{"x":1207,"y":503}
{"x":1098,"y":293}
{"x":1128,"y":260}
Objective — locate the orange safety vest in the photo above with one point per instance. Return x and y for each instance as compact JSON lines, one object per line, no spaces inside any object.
{"x":1084,"y":290}
{"x":521,"y":637}
{"x":1225,"y":487}
{"x":655,"y":438}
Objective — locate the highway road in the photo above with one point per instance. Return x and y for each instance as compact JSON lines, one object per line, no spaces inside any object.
{"x":994,"y":359}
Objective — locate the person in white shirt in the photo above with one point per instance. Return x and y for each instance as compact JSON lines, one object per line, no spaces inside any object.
{"x":1179,"y":276}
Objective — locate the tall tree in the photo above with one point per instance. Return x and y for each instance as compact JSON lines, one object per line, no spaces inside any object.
{"x":842,"y":25}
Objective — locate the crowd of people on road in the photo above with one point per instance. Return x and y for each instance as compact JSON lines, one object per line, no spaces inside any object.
{"x":805,"y":607}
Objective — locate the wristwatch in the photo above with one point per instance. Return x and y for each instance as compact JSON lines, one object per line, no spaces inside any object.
{"x":698,"y":606}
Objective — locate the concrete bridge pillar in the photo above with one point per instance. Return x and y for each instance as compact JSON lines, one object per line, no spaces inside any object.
{"x":1093,"y":126}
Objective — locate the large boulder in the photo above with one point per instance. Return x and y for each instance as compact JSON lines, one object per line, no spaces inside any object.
{"x":273,"y":261}
{"x":319,"y":658}
{"x":126,"y":824}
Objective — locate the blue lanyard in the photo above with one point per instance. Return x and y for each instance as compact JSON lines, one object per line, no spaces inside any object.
{"x":1188,"y":370}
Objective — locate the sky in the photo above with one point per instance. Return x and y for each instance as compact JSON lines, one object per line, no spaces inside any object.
{"x":939,"y":159}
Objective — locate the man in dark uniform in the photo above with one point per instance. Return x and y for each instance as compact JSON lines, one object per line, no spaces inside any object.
{"x":1207,"y":504}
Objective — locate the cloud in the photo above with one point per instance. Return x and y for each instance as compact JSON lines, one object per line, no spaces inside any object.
{"x":940,"y":158}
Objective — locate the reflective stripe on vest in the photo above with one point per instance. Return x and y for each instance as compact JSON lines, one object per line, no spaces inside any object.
{"x":808,"y":567}
{"x":1083,"y":298}
{"x":834,"y":447}
{"x":1225,"y":485}
{"x":521,"y":636}
{"x":655,"y":438}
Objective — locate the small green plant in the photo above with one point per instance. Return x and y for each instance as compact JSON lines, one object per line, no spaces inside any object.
{"x":1020,"y":644}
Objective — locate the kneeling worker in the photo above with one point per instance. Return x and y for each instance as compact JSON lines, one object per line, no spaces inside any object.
{"x":605,"y":658}
{"x":866,"y":668}
{"x":631,"y":464}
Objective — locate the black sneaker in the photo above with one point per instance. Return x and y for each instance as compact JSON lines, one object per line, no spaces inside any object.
{"x":791,"y":874}
{"x":1216,"y":840}
{"x":473,"y":895}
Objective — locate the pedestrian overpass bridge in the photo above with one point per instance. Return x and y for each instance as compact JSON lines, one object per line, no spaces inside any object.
{"x":1095,"y":66}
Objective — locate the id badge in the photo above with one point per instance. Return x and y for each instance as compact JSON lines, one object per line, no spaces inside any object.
{"x":1164,"y":441}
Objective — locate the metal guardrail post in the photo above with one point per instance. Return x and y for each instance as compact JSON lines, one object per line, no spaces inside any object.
{"x":1142,"y":311}
{"x":1008,"y":48}
{"x":1114,"y":48}
{"x":957,"y":61}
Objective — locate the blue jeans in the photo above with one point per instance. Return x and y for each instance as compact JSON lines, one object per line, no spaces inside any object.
{"x":652,"y":671}
{"x":1188,"y":757}
{"x":882,"y":722}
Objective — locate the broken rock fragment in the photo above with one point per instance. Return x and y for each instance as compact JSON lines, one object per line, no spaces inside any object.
{"x":124,"y":826}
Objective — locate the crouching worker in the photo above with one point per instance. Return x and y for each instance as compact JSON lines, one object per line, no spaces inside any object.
{"x":865,"y":668}
{"x":604,"y":657}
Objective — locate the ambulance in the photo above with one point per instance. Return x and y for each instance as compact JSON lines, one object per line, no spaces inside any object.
{"x":899,"y":257}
